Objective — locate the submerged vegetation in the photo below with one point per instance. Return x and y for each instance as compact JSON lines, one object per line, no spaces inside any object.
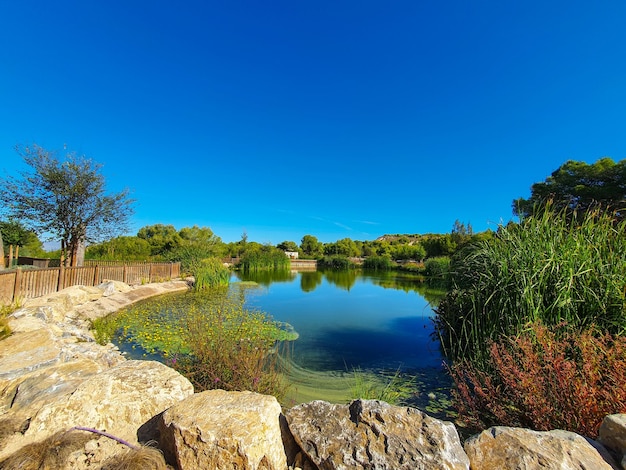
{"x":209,"y":336}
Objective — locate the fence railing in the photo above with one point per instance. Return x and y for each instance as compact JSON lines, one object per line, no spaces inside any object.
{"x":20,"y":284}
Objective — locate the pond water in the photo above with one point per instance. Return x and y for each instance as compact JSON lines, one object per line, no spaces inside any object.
{"x":375,"y":322}
{"x":353,"y":326}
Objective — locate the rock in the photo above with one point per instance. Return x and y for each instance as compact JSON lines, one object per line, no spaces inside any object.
{"x":25,"y":352}
{"x":113,"y":287}
{"x":516,"y":448}
{"x":117,"y":400}
{"x":225,"y":430}
{"x":28,"y":393}
{"x":613,"y":435}
{"x":371,"y":434}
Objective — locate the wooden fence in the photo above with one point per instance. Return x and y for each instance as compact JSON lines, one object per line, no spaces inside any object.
{"x":20,"y":284}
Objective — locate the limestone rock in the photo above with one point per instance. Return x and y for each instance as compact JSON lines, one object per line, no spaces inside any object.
{"x":502,"y":447}
{"x":371,"y":434}
{"x":28,"y":393}
{"x":113,"y":287}
{"x":613,"y":435}
{"x":117,"y":400}
{"x":25,"y":352}
{"x":225,"y":430}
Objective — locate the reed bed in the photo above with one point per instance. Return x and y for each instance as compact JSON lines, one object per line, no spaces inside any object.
{"x":552,"y":268}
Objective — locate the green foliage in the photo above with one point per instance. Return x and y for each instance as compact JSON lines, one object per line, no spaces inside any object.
{"x":65,"y":199}
{"x":120,"y":249}
{"x":206,"y":335}
{"x":288,"y":246}
{"x":394,"y":389}
{"x":378,"y":263}
{"x":579,"y":187}
{"x":162,"y":238}
{"x":437,"y":270}
{"x":547,"y":269}
{"x":14,"y":233}
{"x":544,"y":380}
{"x":335,"y":262}
{"x":210,"y":273}
{"x":5,"y":311}
{"x":264,"y":257}
{"x":311,"y":247}
{"x":344,"y":247}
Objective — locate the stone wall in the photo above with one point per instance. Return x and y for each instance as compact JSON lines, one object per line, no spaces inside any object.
{"x":54,"y":378}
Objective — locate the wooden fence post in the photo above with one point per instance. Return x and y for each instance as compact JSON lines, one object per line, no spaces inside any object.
{"x":125,"y":275}
{"x":96,"y":272}
{"x":150,"y":272}
{"x":16,"y":286}
{"x":61,"y":282}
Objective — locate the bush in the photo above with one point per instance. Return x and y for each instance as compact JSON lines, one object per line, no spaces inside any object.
{"x":378,"y":263}
{"x":437,"y":270}
{"x":544,"y":380}
{"x":232,"y":348}
{"x":336,"y":262}
{"x":211,"y":273}
{"x":551,"y":269}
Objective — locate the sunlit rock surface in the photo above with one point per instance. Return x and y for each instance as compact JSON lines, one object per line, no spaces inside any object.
{"x":372,"y":434}
{"x":225,"y":430}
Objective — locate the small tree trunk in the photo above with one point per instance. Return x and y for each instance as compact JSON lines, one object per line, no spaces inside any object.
{"x":1,"y":253}
{"x":17,"y":254}
{"x":10,"y":256}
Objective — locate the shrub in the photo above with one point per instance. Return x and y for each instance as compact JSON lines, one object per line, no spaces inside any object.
{"x":336,"y":262}
{"x":437,"y":270}
{"x":210,"y":273}
{"x":266,"y":257}
{"x":544,"y":380}
{"x":232,"y":348}
{"x":552,"y":268}
{"x":378,"y":263}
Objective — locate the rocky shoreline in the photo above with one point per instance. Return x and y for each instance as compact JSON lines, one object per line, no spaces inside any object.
{"x":54,"y":377}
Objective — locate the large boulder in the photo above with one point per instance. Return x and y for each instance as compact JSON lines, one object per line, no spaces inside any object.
{"x":119,"y":401}
{"x":371,"y":434}
{"x":225,"y":430}
{"x":613,"y":435}
{"x":523,"y":449}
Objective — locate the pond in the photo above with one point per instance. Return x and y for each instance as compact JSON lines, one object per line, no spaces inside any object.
{"x":374,"y":322}
{"x":352,"y":325}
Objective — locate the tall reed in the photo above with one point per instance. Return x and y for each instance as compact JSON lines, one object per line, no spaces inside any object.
{"x":211,"y":273}
{"x":551,"y":268}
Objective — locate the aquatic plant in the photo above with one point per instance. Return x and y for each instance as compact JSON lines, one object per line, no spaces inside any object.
{"x":394,"y":388}
{"x":551,"y":268}
{"x":378,"y":263}
{"x":210,"y":273}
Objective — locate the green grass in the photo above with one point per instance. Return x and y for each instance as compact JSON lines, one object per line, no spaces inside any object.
{"x":549,"y":269}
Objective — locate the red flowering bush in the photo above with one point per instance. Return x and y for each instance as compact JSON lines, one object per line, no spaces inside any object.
{"x":544,"y":379}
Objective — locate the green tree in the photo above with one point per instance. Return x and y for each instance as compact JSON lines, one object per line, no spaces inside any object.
{"x":162,"y":238}
{"x":311,"y":246}
{"x":14,"y":233}
{"x":288,"y":246}
{"x":64,"y":200}
{"x":120,"y":249}
{"x":578,"y":186}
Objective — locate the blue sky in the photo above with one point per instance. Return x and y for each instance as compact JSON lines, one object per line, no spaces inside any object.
{"x":335,"y":119}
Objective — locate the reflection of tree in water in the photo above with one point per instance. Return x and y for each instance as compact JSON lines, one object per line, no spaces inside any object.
{"x":266,"y":277}
{"x":309,"y":280}
{"x":342,"y":279}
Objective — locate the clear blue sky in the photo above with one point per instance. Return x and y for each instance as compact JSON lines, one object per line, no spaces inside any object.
{"x":330,"y":118}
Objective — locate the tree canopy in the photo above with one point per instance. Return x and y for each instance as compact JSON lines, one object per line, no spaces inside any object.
{"x":64,"y":200}
{"x":578,"y":186}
